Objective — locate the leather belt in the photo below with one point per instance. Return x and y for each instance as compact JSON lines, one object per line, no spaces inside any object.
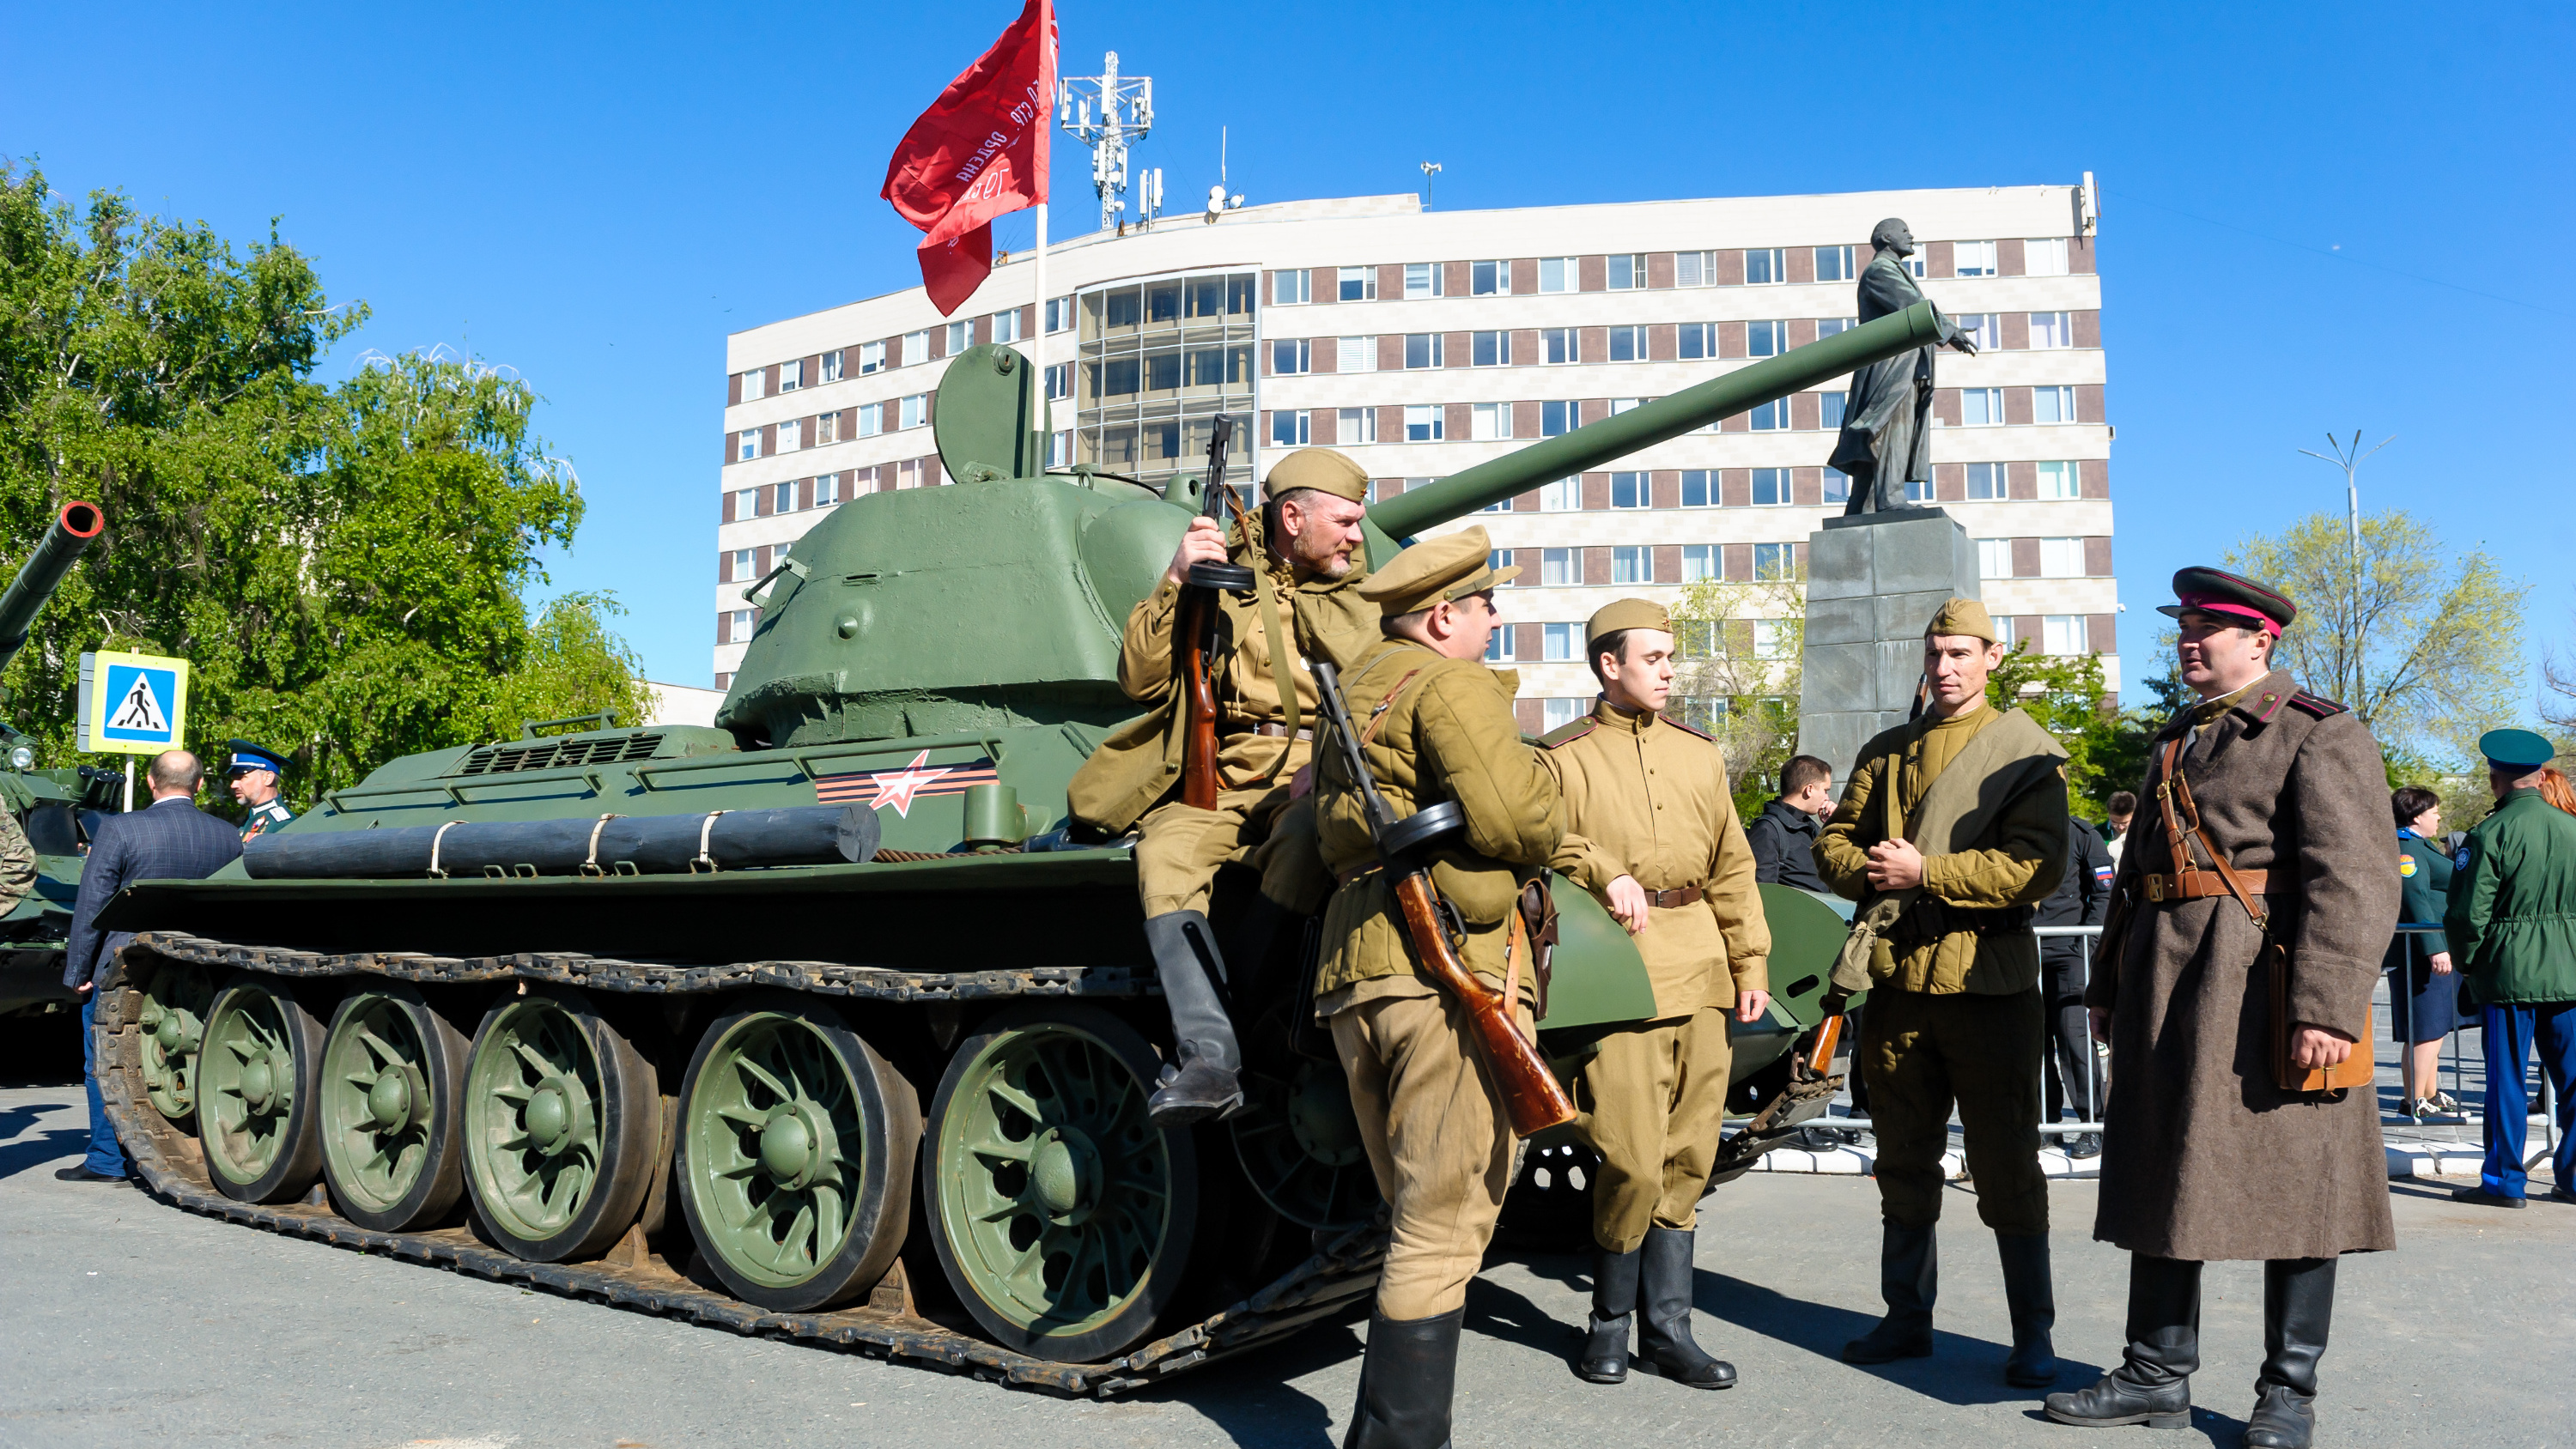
{"x":1275,"y":731}
{"x":1674,"y":900}
{"x":2192,"y":885}
{"x":1358,"y":872}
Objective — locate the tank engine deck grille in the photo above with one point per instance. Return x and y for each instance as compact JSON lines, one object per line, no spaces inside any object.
{"x":558,"y":754}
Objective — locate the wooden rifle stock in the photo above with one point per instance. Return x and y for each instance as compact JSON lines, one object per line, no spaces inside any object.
{"x":1531,"y":1096}
{"x":1194,"y":630}
{"x":1829,"y":1035}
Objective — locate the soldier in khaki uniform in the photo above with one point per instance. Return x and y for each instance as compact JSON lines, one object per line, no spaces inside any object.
{"x":1309,"y":557}
{"x":1651,"y":829}
{"x":1953,"y":827}
{"x":1437,"y":726}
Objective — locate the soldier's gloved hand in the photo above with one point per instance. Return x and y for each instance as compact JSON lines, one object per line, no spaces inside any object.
{"x":2313,"y":1048}
{"x":1204,"y":543}
{"x":1628,"y":903}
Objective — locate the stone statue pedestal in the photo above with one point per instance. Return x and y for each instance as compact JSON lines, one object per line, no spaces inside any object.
{"x":1873,"y":582}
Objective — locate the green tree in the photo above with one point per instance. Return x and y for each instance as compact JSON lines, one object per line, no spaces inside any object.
{"x":2425,"y":645}
{"x":343,"y":566}
{"x":2105,"y":748}
{"x":1741,"y":648}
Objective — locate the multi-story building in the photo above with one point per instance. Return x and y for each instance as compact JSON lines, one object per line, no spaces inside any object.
{"x":1422,"y":342}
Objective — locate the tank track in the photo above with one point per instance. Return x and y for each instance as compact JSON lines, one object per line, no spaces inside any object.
{"x":170,"y":1166}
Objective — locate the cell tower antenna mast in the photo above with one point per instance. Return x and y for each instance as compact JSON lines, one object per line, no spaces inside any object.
{"x":1107,"y":112}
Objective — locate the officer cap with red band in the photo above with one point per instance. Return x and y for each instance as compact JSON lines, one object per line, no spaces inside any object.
{"x":2216,"y":591}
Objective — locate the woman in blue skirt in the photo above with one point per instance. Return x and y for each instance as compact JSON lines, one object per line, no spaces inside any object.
{"x":2422,"y":987}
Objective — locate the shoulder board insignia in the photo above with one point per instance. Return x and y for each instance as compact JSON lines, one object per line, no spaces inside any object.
{"x":1686,"y":729}
{"x":1566,"y":734}
{"x":2316,"y":705}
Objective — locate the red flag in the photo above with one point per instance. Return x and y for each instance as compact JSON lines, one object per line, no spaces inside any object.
{"x":979,"y":152}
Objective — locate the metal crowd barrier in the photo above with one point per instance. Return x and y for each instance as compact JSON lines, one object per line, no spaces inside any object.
{"x":2401,"y":1016}
{"x":2090,"y":1112}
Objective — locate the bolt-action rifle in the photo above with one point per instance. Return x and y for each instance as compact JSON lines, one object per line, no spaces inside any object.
{"x":1531,"y":1096}
{"x":1194,"y":630}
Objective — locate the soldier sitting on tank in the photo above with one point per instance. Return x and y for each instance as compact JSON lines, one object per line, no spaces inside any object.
{"x":1308,"y":548}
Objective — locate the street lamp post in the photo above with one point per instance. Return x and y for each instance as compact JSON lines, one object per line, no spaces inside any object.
{"x":2348,"y":456}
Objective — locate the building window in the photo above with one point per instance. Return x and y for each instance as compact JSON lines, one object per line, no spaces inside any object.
{"x":2052,"y":405}
{"x":738,"y":566}
{"x":1422,"y":349}
{"x":1627,"y":271}
{"x":1620,"y":405}
{"x":1830,"y":326}
{"x":1994,"y":558}
{"x":871,"y":358}
{"x":2061,"y":558}
{"x":746,"y":504}
{"x":1770,"y":638}
{"x":738,"y":627}
{"x":1565,"y":495}
{"x":2057,"y":482}
{"x":1424,"y":423}
{"x":1489,"y":279}
{"x":1763,"y":265}
{"x":1829,"y":408}
{"x":747,"y":447}
{"x":2044,"y":256}
{"x":1765,"y":339}
{"x":1771,"y":417}
{"x":1834,"y":264}
{"x":1289,"y":289}
{"x":1558,"y":713}
{"x":1981,"y":407}
{"x":1059,"y":382}
{"x":1497,"y":649}
{"x":1562,"y":344}
{"x":1975,"y":259}
{"x":871,"y":419}
{"x":1918,"y":490}
{"x":827,"y":490}
{"x":1986,"y":481}
{"x":1560,"y":274}
{"x":1632,"y":490}
{"x":1355,"y":354}
{"x":1630,"y":564}
{"x":1984,"y":329}
{"x":961,"y":335}
{"x":1773,"y":562}
{"x":1355,"y":425}
{"x":1357,"y":284}
{"x":2062,"y":634}
{"x":1060,"y":449}
{"x":791,"y":375}
{"x":1291,"y":356}
{"x":916,"y":348}
{"x":1771,"y":487}
{"x":1556,"y":567}
{"x":1699,"y":488}
{"x":1692,"y":269}
{"x":916,"y":410}
{"x":2051,"y":330}
{"x":1059,"y":314}
{"x":1491,"y":423}
{"x":1837,"y":482}
{"x":1291,"y":429}
{"x":1564,"y":644}
{"x":827,"y":429}
{"x":1490,"y":349}
{"x":832,"y":366}
{"x":791,"y":435}
{"x":1700,"y":563}
{"x":1627,"y":344}
{"x":1424,"y":279}
{"x":1557,"y":418}
{"x":751,"y":384}
{"x":1913,"y":265}
{"x":1006,"y":325}
{"x":786,"y":503}
{"x":1698,"y":340}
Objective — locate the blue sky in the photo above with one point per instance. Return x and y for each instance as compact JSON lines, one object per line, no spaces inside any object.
{"x":2314,"y":216}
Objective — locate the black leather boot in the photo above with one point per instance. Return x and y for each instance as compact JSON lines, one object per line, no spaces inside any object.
{"x":1909,"y":1272}
{"x":1614,"y":1302}
{"x":2032,"y":1299}
{"x":1406,"y":1381}
{"x":1202,"y":1081}
{"x":2152,"y":1385}
{"x":2298,"y":1306}
{"x":1664,"y":1338}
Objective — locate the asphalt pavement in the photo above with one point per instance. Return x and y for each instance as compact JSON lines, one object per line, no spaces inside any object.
{"x":124,"y":1321}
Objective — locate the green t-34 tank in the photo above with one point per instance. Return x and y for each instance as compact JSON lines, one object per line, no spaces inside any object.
{"x":820,"y":1022}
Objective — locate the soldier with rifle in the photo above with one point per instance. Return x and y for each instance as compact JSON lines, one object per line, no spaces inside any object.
{"x":1651,"y":830}
{"x":1952,"y":829}
{"x":1434,"y":817}
{"x":1205,"y":777}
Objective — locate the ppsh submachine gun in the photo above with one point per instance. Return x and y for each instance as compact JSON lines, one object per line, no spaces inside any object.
{"x":892,"y":1101}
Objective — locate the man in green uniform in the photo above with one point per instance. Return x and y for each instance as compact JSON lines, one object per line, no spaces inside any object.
{"x":1952,"y":829}
{"x":253,"y":773}
{"x":1309,"y":556}
{"x":1651,"y":830}
{"x":2512,"y":917}
{"x":1436,"y":726}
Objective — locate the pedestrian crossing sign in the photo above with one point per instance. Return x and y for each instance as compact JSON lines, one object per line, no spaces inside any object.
{"x":134,"y":704}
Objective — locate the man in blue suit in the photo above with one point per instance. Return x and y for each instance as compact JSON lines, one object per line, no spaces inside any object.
{"x":172,"y":840}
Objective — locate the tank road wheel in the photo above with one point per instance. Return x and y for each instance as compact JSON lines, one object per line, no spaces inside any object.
{"x":176,"y":1001}
{"x":1299,"y":1143}
{"x":562,"y":1120}
{"x":390,"y":1148}
{"x":795,"y":1155}
{"x":1061,"y":1216}
{"x":257,"y":1080}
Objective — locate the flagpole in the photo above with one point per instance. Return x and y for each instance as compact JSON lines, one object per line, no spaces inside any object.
{"x":1046,"y":118}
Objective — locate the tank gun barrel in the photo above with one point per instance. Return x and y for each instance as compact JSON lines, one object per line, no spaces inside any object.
{"x":72,"y":530}
{"x":1647,"y":424}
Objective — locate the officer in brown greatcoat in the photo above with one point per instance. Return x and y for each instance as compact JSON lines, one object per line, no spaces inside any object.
{"x":2205,"y":1157}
